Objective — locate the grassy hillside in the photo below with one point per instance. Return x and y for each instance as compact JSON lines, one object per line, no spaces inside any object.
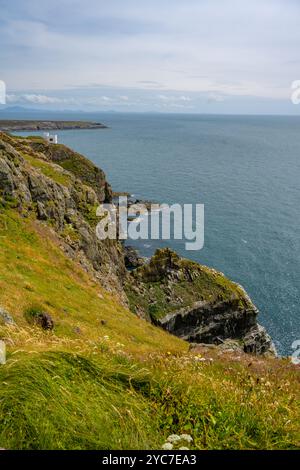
{"x":35,"y":273}
{"x":104,"y":379}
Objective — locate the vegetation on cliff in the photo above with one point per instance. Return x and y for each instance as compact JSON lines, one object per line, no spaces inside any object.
{"x":169,"y":282}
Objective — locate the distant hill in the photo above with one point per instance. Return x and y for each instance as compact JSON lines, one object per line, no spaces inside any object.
{"x":46,"y":125}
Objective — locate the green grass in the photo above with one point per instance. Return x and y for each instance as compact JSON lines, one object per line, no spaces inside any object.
{"x":89,"y":212}
{"x":65,"y":401}
{"x":48,"y":169}
{"x":62,"y":400}
{"x":30,"y":258}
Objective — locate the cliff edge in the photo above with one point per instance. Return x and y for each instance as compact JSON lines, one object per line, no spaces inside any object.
{"x":196,"y":303}
{"x":63,"y":189}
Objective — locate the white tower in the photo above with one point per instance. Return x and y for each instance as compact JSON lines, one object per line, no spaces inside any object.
{"x":52,"y":139}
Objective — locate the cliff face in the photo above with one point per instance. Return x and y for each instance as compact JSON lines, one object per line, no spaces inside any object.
{"x":196,"y":303}
{"x":79,"y":166}
{"x":65,"y":199}
{"x":62,"y":189}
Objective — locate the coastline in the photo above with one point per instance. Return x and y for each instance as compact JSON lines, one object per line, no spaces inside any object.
{"x":14,"y":125}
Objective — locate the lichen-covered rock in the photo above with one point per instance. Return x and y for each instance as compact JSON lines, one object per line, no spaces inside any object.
{"x":132,"y":258}
{"x":44,"y":320}
{"x":6,"y":181}
{"x":258,"y":341}
{"x":5,"y":317}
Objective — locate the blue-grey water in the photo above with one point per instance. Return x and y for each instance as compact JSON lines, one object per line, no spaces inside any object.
{"x":246,"y":170}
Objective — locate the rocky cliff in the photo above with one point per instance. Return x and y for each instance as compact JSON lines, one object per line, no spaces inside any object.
{"x":196,"y":303}
{"x":65,"y":196}
{"x":62,"y":189}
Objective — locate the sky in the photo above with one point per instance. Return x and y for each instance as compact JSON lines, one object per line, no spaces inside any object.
{"x":191,"y":56}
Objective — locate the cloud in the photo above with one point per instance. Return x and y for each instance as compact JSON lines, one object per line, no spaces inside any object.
{"x":172,"y":98}
{"x":37,"y":99}
{"x":215,"y":98}
{"x":2,"y":92}
{"x":214,"y":48}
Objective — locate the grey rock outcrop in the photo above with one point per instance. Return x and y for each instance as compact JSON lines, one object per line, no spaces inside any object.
{"x":258,"y":341}
{"x":5,"y":317}
{"x":196,"y":303}
{"x":44,"y":320}
{"x":132,"y":258}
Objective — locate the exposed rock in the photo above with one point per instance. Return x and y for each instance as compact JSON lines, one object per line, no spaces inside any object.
{"x":196,"y":303}
{"x":36,"y":316}
{"x":132,"y":258}
{"x":210,"y":322}
{"x":258,"y":341}
{"x":44,"y":320}
{"x":6,"y":181}
{"x":6,"y":318}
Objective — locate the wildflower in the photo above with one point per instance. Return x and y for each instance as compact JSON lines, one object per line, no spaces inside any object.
{"x":199,"y":358}
{"x":167,"y":446}
{"x":173,"y":438}
{"x":186,"y":437}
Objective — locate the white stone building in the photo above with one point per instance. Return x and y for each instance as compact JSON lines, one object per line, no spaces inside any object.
{"x":52,"y":139}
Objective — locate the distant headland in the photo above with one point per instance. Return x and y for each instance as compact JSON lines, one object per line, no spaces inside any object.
{"x":37,"y":125}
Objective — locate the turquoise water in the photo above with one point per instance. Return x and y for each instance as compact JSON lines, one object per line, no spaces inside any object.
{"x":246,"y":170}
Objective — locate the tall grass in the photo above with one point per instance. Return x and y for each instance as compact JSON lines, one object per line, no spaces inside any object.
{"x":120,"y":383}
{"x":65,"y":401}
{"x":61,"y":400}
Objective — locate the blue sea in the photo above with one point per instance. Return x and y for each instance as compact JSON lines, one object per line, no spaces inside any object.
{"x":244,"y":169}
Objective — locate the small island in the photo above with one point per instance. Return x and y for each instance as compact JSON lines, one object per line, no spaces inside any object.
{"x":37,"y":125}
